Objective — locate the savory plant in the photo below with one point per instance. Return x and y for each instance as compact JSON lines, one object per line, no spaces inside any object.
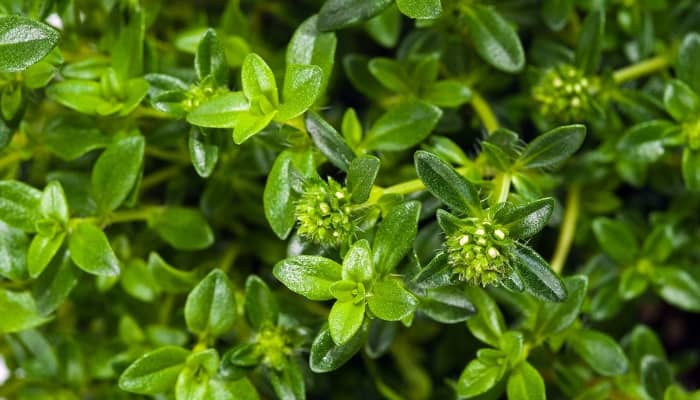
{"x":349,"y":199}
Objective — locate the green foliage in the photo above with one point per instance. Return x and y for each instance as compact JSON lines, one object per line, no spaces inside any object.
{"x":409,"y":199}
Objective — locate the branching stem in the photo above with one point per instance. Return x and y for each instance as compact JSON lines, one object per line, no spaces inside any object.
{"x":641,"y":69}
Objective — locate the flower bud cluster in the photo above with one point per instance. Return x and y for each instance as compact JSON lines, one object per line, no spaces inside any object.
{"x":324,"y":213}
{"x":565,"y":93}
{"x":197,"y":94}
{"x":272,"y":343}
{"x":476,"y":253}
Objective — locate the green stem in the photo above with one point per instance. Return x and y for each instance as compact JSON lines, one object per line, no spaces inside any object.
{"x":11,"y":159}
{"x":641,"y":69}
{"x":414,"y":185}
{"x":166,"y":155}
{"x":149,"y":113}
{"x":229,"y":257}
{"x":484,"y":111}
{"x":568,"y":229}
{"x":158,"y":177}
{"x":166,"y":309}
{"x":140,"y":214}
{"x":501,"y":188}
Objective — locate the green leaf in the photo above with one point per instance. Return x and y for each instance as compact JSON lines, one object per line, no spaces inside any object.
{"x":351,"y":128}
{"x":249,"y":124}
{"x":525,"y":383}
{"x":677,"y":287}
{"x":632,"y":284}
{"x":328,"y":141}
{"x":357,"y":71}
{"x":40,"y":74}
{"x":526,"y":220}
{"x":278,"y":197}
{"x":494,"y":38}
{"x":645,"y":142}
{"x":309,"y":276}
{"x":19,"y":205}
{"x":210,"y":58}
{"x":590,"y":42}
{"x":600,"y":351}
{"x":640,"y":342}
{"x":420,"y":9}
{"x":42,"y":250}
{"x":380,"y":337}
{"x":222,"y":111}
{"x":70,"y":138}
{"x":447,"y":93}
{"x":447,"y":305}
{"x":53,"y":203}
{"x":385,"y":27}
{"x":116,"y":172}
{"x":395,"y":236}
{"x":345,"y":320}
{"x":477,"y":378}
{"x":554,"y":318}
{"x":309,"y":46}
{"x":688,"y":63}
{"x":55,"y":284}
{"x":362,"y":173}
{"x":337,"y":14}
{"x":182,"y":228}
{"x":137,"y":280}
{"x":438,"y":273}
{"x":657,"y":375}
{"x":261,"y":307}
{"x":241,"y":389}
{"x":155,"y":372}
{"x":169,"y":279}
{"x":446,"y":184}
{"x":357,"y":263}
{"x":391,"y":74}
{"x":24,"y":42}
{"x":302,"y":86}
{"x":13,"y":252}
{"x":258,"y":80}
{"x":5,"y":135}
{"x":19,"y":312}
{"x":288,"y":382}
{"x":211,"y":305}
{"x":135,"y":91}
{"x":617,"y":239}
{"x":91,"y":251}
{"x":327,"y":356}
{"x":203,"y":152}
{"x":556,"y":13}
{"x":553,"y":147}
{"x":128,"y":47}
{"x":690,"y":167}
{"x":82,"y":96}
{"x":39,"y":351}
{"x":538,"y":278}
{"x":681,"y":101}
{"x":390,"y":301}
{"x":402,"y":127}
{"x":488,"y":324}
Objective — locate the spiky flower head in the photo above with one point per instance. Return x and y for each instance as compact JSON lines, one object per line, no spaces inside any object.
{"x":324,"y":213}
{"x":565,"y":93}
{"x":476,"y":253}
